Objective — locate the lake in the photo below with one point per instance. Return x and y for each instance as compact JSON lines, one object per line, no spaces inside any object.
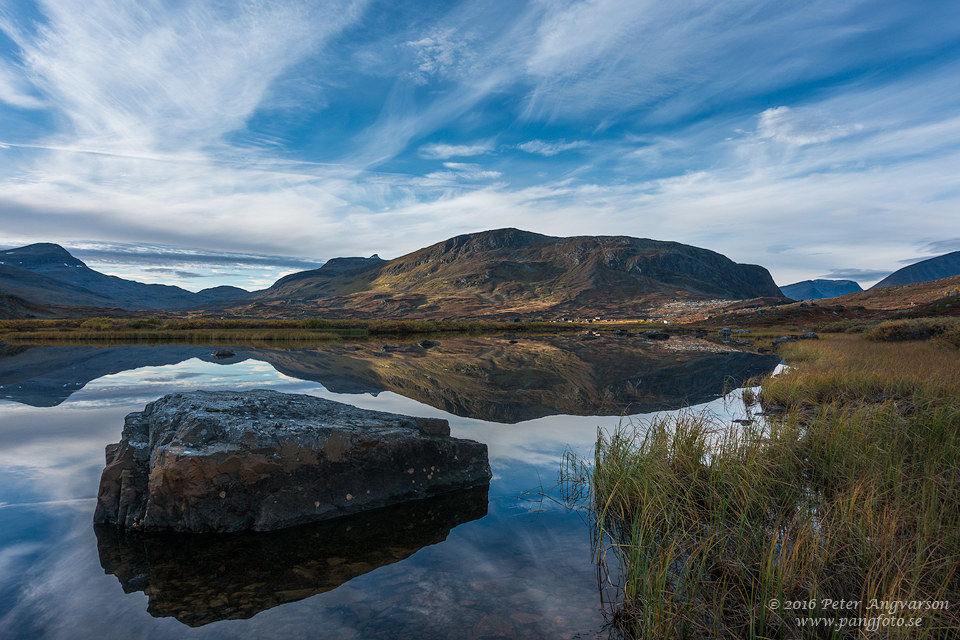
{"x":496,"y":562}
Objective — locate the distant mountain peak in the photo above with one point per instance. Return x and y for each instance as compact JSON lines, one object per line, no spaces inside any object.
{"x":39,"y":255}
{"x":924,"y":271}
{"x":46,"y":273}
{"x":819,"y":289}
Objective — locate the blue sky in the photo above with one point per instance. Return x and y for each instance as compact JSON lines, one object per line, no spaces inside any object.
{"x":203,"y":143}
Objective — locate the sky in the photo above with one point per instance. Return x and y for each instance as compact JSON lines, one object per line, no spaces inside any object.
{"x":201,"y":143}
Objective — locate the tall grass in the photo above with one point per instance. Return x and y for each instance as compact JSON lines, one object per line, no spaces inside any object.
{"x":853,"y":494}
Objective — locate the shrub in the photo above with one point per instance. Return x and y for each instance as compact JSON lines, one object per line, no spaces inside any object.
{"x":952,"y":337}
{"x":916,"y":329}
{"x":844,"y":326}
{"x":97,"y":324}
{"x":142,"y":323}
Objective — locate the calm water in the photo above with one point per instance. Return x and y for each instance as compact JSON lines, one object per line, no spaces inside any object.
{"x":495,"y":563}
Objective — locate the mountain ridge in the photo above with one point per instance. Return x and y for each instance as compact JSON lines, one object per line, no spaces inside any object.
{"x":510,"y":271}
{"x":928,"y":270}
{"x":819,"y":289}
{"x":46,"y":273}
{"x":489,"y":274}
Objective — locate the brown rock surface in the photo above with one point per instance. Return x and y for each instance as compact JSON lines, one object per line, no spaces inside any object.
{"x":262,"y":460}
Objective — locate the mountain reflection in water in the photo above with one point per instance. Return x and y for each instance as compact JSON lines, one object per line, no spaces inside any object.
{"x":490,"y":378}
{"x":203,"y":578}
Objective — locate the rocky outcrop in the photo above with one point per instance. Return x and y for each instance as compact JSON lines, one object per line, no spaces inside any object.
{"x":204,"y":579}
{"x":262,"y":460}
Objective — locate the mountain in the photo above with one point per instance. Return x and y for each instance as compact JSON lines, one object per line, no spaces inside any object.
{"x":302,"y":283}
{"x":46,"y":273}
{"x":916,"y":298}
{"x":933,"y":269}
{"x":509,"y":272}
{"x":817,"y":289}
{"x":222,"y":293}
{"x":496,"y":274}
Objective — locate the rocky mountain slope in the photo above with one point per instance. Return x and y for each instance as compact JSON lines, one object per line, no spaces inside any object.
{"x":46,"y":273}
{"x":508,"y":272}
{"x":818,"y":289}
{"x":497,"y":274}
{"x":301,"y":283}
{"x":933,"y":269}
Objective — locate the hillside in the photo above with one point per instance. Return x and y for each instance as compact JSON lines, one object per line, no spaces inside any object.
{"x":508,"y":272}
{"x":301,"y":284}
{"x":903,"y":296}
{"x":933,"y":269}
{"x":47,"y":273}
{"x":818,"y":289}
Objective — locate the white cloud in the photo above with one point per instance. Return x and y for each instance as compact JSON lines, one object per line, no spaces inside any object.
{"x":783,"y":124}
{"x":463,"y":171}
{"x":550,"y":148}
{"x":442,"y":151}
{"x":13,"y":91}
{"x":443,"y":53}
{"x":133,"y":77}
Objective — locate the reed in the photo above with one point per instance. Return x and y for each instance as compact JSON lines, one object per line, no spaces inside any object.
{"x":851,"y":495}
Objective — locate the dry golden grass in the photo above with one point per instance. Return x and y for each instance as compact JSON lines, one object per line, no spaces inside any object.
{"x":853,"y":494}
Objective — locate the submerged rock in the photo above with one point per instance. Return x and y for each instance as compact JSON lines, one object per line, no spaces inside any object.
{"x":262,"y":460}
{"x":655,"y":335}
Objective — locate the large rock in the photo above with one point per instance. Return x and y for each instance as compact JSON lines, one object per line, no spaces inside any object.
{"x":262,"y":460}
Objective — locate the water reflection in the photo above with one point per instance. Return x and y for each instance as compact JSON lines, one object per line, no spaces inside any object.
{"x":492,"y":379}
{"x":522,"y":570}
{"x":204,"y":578}
{"x":46,"y":376}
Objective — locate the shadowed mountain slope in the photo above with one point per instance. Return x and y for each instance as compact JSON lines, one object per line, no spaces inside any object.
{"x":933,"y":269}
{"x":818,"y":289}
{"x":298,"y":284}
{"x":508,"y":271}
{"x":47,"y":273}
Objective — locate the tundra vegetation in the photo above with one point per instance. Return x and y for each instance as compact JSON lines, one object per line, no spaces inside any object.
{"x":242,"y":331}
{"x":848,"y":490}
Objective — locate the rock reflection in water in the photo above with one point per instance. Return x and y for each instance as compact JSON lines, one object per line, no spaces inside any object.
{"x":203,"y":578}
